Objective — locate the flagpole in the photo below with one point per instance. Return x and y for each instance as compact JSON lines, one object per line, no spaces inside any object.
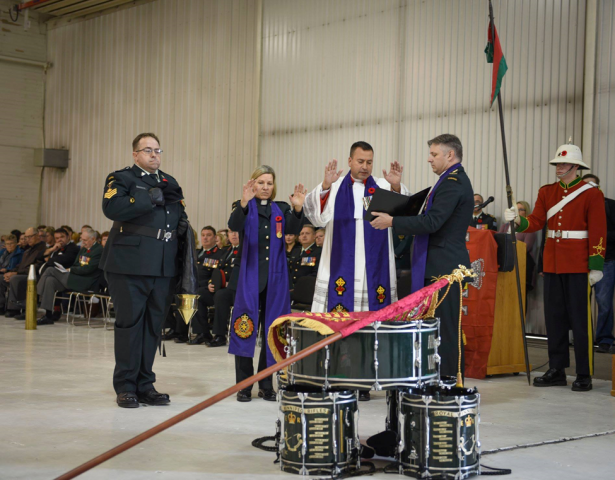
{"x":509,"y":196}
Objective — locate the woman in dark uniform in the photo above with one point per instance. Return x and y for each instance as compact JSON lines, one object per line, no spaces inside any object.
{"x":262,"y":224}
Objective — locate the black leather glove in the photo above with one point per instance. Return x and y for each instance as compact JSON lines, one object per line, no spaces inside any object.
{"x":182,"y":225}
{"x":155,"y":194}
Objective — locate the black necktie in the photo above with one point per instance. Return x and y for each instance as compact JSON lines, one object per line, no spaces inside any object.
{"x":154,"y":176}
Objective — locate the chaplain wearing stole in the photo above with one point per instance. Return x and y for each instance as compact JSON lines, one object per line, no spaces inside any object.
{"x":357,"y":266}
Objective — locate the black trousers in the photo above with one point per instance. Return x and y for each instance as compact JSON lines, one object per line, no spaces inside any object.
{"x":448,"y":312}
{"x":567,"y":307}
{"x":141,"y":304}
{"x":224,"y":300}
{"x":200,"y":323}
{"x":244,"y":366}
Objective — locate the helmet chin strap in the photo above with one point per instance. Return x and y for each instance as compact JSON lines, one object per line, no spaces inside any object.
{"x":564,"y":174}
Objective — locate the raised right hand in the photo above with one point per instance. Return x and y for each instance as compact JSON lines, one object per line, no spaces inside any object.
{"x":248,"y":193}
{"x":331,"y":175}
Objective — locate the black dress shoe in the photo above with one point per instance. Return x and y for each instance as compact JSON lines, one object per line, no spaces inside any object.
{"x":127,"y":400}
{"x":552,"y":378}
{"x":21,"y":316}
{"x":267,"y":394}
{"x":199,"y":339}
{"x":12,"y":313}
{"x":583,"y":383}
{"x":181,"y":339}
{"x":603,"y":348}
{"x":218,"y":341}
{"x":364,"y":396}
{"x":45,"y":321}
{"x":244,"y":396}
{"x":55,"y":316}
{"x":170,"y":335}
{"x":152,"y":397}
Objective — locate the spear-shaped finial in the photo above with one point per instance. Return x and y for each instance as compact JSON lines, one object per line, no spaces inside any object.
{"x":570,"y":140}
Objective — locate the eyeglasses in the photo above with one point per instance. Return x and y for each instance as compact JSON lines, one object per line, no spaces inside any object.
{"x":149,"y":151}
{"x":30,"y":236}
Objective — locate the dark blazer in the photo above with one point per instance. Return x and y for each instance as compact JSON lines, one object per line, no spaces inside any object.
{"x":446,"y":223}
{"x":65,"y":257}
{"x":485,"y":219}
{"x":84,"y":273}
{"x":126,"y":199}
{"x":32,"y":256}
{"x":207,"y":262}
{"x":238,"y":219}
{"x":305,"y":263}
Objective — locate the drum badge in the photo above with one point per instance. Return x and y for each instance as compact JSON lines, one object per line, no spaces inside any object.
{"x":478,"y":266}
{"x":468,"y":421}
{"x":244,"y":327}
{"x":340,"y":289}
{"x":299,"y":441}
{"x":380,"y":291}
{"x":292,"y":418}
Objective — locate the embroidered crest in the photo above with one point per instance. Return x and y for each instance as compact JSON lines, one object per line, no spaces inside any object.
{"x":339,"y":308}
{"x":244,"y":327}
{"x":110,"y":193}
{"x":599,"y":248}
{"x":478,"y":266}
{"x":380,"y":291}
{"x":340,"y":289}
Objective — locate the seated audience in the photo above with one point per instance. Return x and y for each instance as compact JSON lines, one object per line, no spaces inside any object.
{"x":320,"y":237}
{"x":62,"y":251}
{"x":11,"y":255}
{"x":305,"y":261}
{"x":49,"y":238}
{"x":23,"y":242}
{"x":82,"y":276}
{"x":224,"y":297}
{"x":15,"y":280}
{"x":291,"y":245}
{"x":221,"y":241}
{"x":41,"y":231}
{"x":480,"y":219}
{"x":103,"y":238}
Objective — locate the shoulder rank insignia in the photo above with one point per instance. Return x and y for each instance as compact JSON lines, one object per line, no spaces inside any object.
{"x":183,"y":203}
{"x":454,"y":171}
{"x":110,"y":192}
{"x":452,"y":178}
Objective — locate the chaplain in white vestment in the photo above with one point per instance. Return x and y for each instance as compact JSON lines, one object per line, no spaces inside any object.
{"x":320,"y":206}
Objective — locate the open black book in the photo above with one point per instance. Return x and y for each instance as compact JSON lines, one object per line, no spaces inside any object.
{"x":394,"y":204}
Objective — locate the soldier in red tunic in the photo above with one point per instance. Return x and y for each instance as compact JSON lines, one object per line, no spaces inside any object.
{"x":573,"y":261}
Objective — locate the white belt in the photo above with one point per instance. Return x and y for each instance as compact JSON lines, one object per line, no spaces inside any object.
{"x":578,"y":234}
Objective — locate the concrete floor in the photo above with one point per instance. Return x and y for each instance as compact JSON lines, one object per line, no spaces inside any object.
{"x":57,"y":410}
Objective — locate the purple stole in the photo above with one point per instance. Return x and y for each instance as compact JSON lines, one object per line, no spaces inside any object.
{"x":244,"y":326}
{"x":421,"y":242}
{"x":341,"y":282}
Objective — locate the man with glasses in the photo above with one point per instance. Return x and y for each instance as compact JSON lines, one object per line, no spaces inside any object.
{"x":139,"y":260}
{"x":15,"y":281}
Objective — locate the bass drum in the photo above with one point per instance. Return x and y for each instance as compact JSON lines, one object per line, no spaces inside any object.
{"x":318,"y":431}
{"x":380,"y":356}
{"x":439,"y":433}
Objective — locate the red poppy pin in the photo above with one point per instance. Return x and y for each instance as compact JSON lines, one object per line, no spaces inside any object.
{"x":564,"y":153}
{"x":308,"y":251}
{"x":278,"y":218}
{"x":371,"y":190}
{"x":164,"y":180}
{"x":480,"y":221}
{"x":235,"y":252}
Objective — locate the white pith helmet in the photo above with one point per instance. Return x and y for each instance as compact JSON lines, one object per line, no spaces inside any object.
{"x":569,"y":153}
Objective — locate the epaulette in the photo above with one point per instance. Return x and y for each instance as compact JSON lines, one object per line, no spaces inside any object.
{"x":123,"y":169}
{"x":452,"y":178}
{"x":454,"y":172}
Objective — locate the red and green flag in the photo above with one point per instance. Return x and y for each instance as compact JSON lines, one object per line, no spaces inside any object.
{"x":495,"y":56}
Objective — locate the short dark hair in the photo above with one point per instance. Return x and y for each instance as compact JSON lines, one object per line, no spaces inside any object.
{"x":210,"y":228}
{"x":62,"y":231}
{"x":67,"y":228}
{"x":41,"y":227}
{"x":105,"y":234}
{"x":479,"y":195}
{"x":135,"y":142}
{"x":16,"y":232}
{"x":448,"y":140}
{"x":309,"y":226}
{"x":590,"y":175}
{"x":362,"y":145}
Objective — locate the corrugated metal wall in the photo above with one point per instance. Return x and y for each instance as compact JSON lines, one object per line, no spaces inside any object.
{"x":21,"y":119}
{"x":604,"y":105}
{"x":396,"y":73}
{"x":187,"y":71}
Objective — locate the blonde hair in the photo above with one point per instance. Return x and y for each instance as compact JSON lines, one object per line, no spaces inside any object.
{"x":527,"y":207}
{"x":262,"y":170}
{"x":223,"y":239}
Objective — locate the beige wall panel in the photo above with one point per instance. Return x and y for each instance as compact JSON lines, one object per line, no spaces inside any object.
{"x":603,"y":142}
{"x":21,"y":119}
{"x":181,"y":74}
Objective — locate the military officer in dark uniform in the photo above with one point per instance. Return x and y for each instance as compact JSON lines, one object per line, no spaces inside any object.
{"x":444,"y":221}
{"x":139,"y":261}
{"x":480,"y":219}
{"x":209,"y":259}
{"x":224,"y":297}
{"x":305,"y":262}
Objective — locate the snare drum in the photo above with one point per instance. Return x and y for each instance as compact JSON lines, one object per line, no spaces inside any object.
{"x":319,"y":431}
{"x":439,"y":433}
{"x":379,"y":356}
